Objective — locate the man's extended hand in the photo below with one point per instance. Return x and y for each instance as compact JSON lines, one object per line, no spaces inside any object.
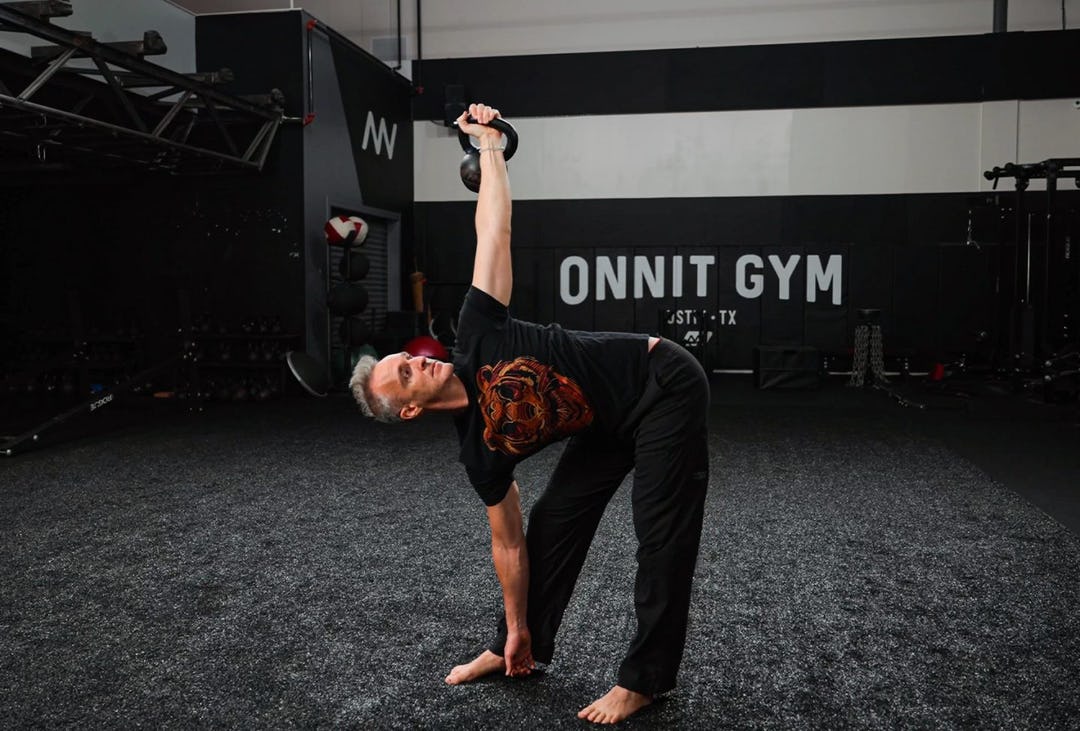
{"x":518,"y":653}
{"x":483,"y":114}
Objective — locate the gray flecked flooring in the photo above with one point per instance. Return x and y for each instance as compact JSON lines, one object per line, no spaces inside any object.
{"x":290,"y":564}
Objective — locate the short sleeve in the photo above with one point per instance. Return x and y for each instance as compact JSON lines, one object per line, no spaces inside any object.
{"x":481,"y":312}
{"x":491,"y":488}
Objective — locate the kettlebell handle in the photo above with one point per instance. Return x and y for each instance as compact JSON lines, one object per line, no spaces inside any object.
{"x":498,"y":123}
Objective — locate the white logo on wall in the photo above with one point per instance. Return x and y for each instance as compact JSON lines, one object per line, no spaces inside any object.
{"x":691,"y":317}
{"x":382,"y":139}
{"x":691,"y":338}
{"x":660,"y":277}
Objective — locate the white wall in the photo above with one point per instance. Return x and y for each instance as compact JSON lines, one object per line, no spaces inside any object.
{"x":236,"y":6}
{"x":940,"y":148}
{"x":467,"y":28}
{"x":464,"y":28}
{"x":492,"y":28}
{"x":125,"y":20}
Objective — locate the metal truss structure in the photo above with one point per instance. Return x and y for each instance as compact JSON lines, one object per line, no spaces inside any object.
{"x":57,"y":112}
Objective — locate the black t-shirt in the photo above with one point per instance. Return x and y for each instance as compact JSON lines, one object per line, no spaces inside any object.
{"x":530,"y":385}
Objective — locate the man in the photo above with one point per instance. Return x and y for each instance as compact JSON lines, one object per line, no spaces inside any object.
{"x":627,"y":402}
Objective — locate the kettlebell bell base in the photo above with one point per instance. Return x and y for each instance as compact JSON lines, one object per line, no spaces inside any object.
{"x":470,"y":171}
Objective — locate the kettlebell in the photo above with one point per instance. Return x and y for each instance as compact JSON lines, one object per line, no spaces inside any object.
{"x":470,"y":164}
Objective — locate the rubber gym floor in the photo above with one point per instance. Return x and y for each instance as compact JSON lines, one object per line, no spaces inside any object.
{"x":285,"y":564}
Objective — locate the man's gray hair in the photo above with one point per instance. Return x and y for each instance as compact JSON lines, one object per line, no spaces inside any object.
{"x":376,"y":407}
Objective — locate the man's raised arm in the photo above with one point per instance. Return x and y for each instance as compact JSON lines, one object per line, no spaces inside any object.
{"x":492,"y":270}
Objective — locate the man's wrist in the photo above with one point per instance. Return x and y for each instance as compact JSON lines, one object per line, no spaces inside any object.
{"x":490,"y":138}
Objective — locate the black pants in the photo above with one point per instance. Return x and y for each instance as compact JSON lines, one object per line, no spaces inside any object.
{"x":665,"y":442}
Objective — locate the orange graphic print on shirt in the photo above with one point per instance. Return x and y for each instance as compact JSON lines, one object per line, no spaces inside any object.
{"x":526,"y":404}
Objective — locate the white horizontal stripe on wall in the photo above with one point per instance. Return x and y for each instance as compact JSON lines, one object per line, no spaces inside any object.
{"x":473,"y":28}
{"x":941,"y":148}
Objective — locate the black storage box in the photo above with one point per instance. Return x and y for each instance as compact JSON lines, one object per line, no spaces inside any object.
{"x":784,"y":366}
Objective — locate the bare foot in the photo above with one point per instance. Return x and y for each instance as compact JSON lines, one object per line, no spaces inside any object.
{"x":617,"y":705}
{"x":486,"y":664}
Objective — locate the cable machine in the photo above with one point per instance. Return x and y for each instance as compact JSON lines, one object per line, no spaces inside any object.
{"x":1042,"y":343}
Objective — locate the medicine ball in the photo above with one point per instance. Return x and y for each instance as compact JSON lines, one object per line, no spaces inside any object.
{"x":347,"y":299}
{"x":427,"y":346}
{"x":346,"y":231}
{"x":354,"y":265}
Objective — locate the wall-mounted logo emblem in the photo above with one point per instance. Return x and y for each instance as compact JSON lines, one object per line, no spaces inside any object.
{"x":382,"y":138}
{"x":692,"y":338}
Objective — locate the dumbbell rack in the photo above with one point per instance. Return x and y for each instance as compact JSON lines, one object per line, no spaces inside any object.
{"x":78,"y":371}
{"x":91,"y":401}
{"x":51,"y":366}
{"x":208,"y":353}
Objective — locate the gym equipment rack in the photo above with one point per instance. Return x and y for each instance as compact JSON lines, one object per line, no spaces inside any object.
{"x":56,"y":112}
{"x":1042,"y":353}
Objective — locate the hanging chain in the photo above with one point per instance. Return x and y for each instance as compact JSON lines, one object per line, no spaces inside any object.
{"x":858,"y":365}
{"x":877,"y":355}
{"x":868,"y":347}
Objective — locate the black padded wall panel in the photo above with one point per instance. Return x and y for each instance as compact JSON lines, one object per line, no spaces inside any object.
{"x":945,"y":69}
{"x":935,"y":291}
{"x":909,"y":255}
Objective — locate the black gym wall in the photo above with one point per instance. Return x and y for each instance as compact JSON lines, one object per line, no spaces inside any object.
{"x":351,"y":117}
{"x":129,"y":243}
{"x":904,"y":245}
{"x":358,"y":160}
{"x":237,"y":246}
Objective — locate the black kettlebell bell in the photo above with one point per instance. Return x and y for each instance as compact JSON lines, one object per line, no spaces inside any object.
{"x":470,"y":164}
